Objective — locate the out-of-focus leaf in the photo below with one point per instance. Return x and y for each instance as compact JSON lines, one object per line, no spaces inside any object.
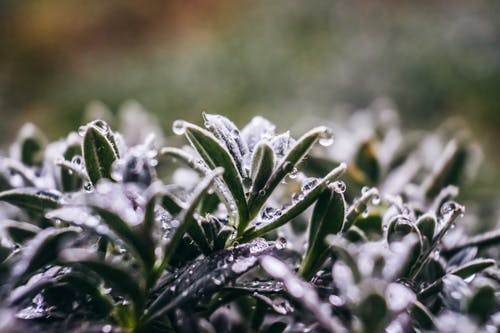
{"x":422,"y":316}
{"x":32,"y":199}
{"x":71,"y":178}
{"x":31,"y":145}
{"x":207,"y":275}
{"x":262,"y":166}
{"x":119,"y":278}
{"x":186,"y":217}
{"x":99,"y":154}
{"x":287,"y":165}
{"x":482,"y":303}
{"x":41,"y":250}
{"x":371,"y":225}
{"x":448,"y":169}
{"x":359,"y":206}
{"x":472,"y":267}
{"x":19,"y":232}
{"x":366,"y":160}
{"x":216,"y":155}
{"x":301,"y":292}
{"x":297,"y":207}
{"x":373,"y":312}
{"x":327,"y":219}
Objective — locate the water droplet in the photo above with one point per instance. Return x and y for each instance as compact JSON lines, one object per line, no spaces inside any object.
{"x":339,"y":186}
{"x":281,"y":243}
{"x":451,"y":207}
{"x":179,"y":127}
{"x":309,"y":184}
{"x":262,"y":193}
{"x":88,"y":187}
{"x":376,"y":200}
{"x":77,"y":160}
{"x":106,"y":328}
{"x":296,"y":197}
{"x":326,"y":138}
{"x":293,"y":173}
{"x":365,"y":189}
{"x":258,"y":245}
{"x":82,"y":130}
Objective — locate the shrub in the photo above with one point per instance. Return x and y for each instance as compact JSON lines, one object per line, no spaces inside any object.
{"x":99,"y":236}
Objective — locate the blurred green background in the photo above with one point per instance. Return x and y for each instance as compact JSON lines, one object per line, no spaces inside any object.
{"x":287,"y":59}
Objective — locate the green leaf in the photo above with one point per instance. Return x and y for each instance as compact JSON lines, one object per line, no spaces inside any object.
{"x":327,"y":219}
{"x":482,"y":304}
{"x":142,"y":247}
{"x":99,"y":154}
{"x":71,"y":175}
{"x":366,"y":160}
{"x":186,"y":217}
{"x":472,"y":267}
{"x":262,"y":166}
{"x":206,"y":276}
{"x":298,"y":207}
{"x":370,"y":225}
{"x":215,"y":155}
{"x":228,"y":134}
{"x":289,"y":162}
{"x":41,"y":250}
{"x":373,"y":311}
{"x":427,"y":225}
{"x":115,"y":276}
{"x":448,"y":169}
{"x":32,"y":199}
{"x":19,"y":232}
{"x":32,"y":144}
{"x":359,"y":206}
{"x":302,"y":292}
{"x":422,"y":316}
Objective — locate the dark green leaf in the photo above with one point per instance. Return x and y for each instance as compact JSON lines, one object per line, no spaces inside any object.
{"x":472,"y":267}
{"x":422,"y":316}
{"x":262,"y":166}
{"x":41,"y":250}
{"x":297,"y":207}
{"x":482,"y":304}
{"x":31,"y":144}
{"x":119,"y":278}
{"x":32,"y":199}
{"x":186,"y":217}
{"x":427,"y":226}
{"x":99,"y":154}
{"x":289,"y":162}
{"x":216,"y":155}
{"x":366,"y":160}
{"x":448,"y":169}
{"x":19,"y":232}
{"x":373,"y":311}
{"x":327,"y":219}
{"x":206,"y":276}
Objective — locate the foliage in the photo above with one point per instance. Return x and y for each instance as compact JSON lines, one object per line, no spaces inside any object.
{"x":98,"y":235}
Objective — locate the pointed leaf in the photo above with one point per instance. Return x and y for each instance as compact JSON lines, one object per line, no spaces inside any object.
{"x":422,"y":316}
{"x":427,"y":225}
{"x":207,"y":275}
{"x":327,"y":219}
{"x":41,"y":250}
{"x":19,"y":232}
{"x":262,"y":166}
{"x":32,"y":199}
{"x":227,"y":133}
{"x":473,"y":267}
{"x":289,"y":162}
{"x":99,"y":154}
{"x":31,"y":144}
{"x":366,"y":160}
{"x":298,"y":207}
{"x":186,"y":217}
{"x":216,"y":155}
{"x":115,"y":276}
{"x":301,"y":292}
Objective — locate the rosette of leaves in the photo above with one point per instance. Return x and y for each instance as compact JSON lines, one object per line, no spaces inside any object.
{"x":94,"y":240}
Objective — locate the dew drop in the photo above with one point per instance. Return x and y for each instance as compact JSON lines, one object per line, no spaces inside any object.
{"x":281,"y":243}
{"x":326,"y":138}
{"x":293,"y":173}
{"x":365,"y":189}
{"x":179,"y":127}
{"x":82,"y":130}
{"x":339,"y":186}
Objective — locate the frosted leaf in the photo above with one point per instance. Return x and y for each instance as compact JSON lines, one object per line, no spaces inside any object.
{"x":399,"y":297}
{"x":258,"y":128}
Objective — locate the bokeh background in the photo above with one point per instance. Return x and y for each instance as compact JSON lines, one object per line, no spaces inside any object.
{"x":287,"y":59}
